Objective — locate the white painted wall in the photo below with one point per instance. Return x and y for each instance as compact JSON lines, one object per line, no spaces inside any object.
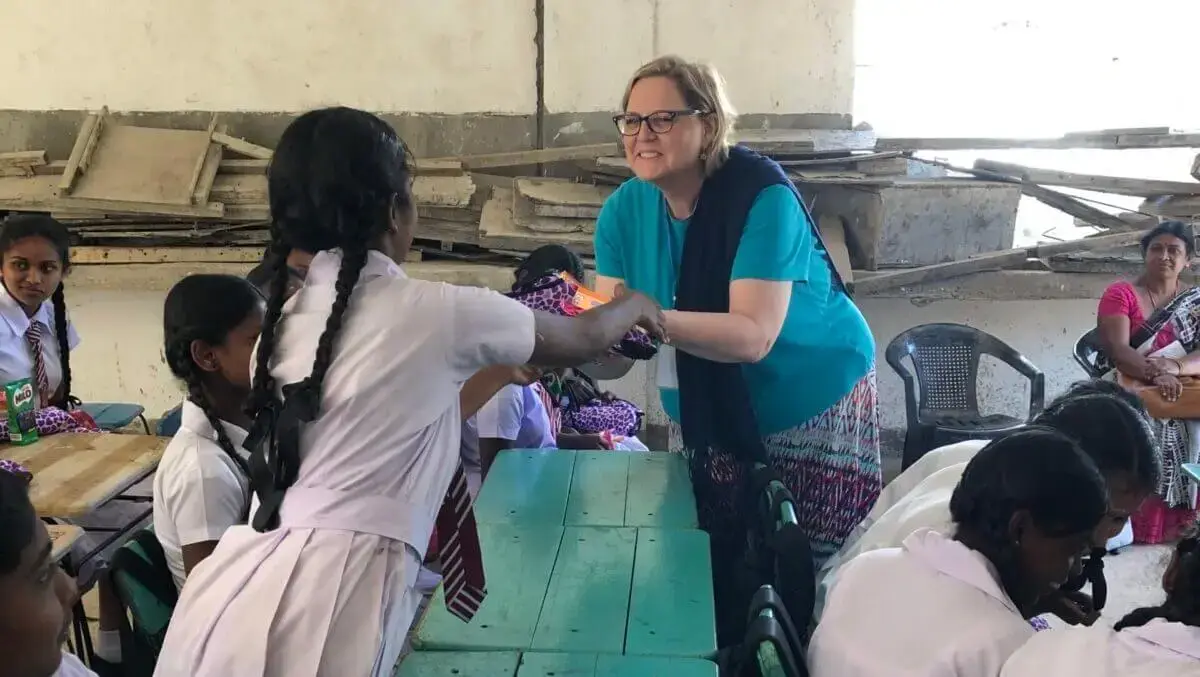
{"x":777,"y":56}
{"x":392,"y":56}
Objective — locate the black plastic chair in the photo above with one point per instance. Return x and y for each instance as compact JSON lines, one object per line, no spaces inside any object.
{"x":1087,"y":353}
{"x":946,"y":358}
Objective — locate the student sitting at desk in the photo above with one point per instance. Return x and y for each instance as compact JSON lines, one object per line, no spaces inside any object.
{"x":36,"y":336}
{"x":1159,"y":641}
{"x":37,"y":596}
{"x":355,"y":447}
{"x":210,"y":325}
{"x":958,"y":603}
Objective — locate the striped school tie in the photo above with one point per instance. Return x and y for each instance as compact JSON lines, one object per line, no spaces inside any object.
{"x":458,"y":541}
{"x":33,"y":336}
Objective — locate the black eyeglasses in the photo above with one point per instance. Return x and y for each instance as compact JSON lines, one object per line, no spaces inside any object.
{"x":660,"y":121}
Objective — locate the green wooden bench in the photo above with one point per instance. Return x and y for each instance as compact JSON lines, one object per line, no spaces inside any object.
{"x":606,"y":590}
{"x":512,"y":664}
{"x":609,"y":489}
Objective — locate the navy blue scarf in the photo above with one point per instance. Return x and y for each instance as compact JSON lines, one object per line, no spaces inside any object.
{"x":716,"y":413}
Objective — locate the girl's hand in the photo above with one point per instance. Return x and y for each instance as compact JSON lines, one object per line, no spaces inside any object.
{"x":1163,"y":365}
{"x":1169,"y":387}
{"x":650,"y":315}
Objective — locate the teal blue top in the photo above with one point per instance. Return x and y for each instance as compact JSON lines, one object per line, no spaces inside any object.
{"x":825,"y":346}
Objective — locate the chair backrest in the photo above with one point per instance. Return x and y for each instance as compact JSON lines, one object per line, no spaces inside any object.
{"x":945,"y":359}
{"x":168,"y":425}
{"x":1087,"y":353}
{"x":144,"y":584}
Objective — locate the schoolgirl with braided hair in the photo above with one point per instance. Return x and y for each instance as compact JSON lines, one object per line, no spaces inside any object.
{"x":957,"y":602}
{"x":202,"y":487}
{"x":1156,"y":641}
{"x":355,"y":445}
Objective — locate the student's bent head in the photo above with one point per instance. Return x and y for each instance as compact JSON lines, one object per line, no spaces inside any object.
{"x":35,"y":594}
{"x":1112,"y":428}
{"x":548,"y":260}
{"x":1030,"y":502}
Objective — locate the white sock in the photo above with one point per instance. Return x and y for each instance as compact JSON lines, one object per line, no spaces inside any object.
{"x":108,"y":646}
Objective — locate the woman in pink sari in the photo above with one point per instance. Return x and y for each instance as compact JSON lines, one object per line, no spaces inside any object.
{"x":1148,"y":330}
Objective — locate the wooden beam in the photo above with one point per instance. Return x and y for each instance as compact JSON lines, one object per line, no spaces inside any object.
{"x":1093,"y":182}
{"x":243,"y":147}
{"x":534,"y":157}
{"x":85,"y":255}
{"x":1105,"y":142}
{"x":85,"y":143}
{"x":198,"y":167}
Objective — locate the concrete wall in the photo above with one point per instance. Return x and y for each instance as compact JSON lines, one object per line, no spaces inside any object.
{"x":454,"y":75}
{"x":118,"y":310}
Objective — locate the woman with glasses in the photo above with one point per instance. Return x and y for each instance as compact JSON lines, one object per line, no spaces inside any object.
{"x":768,"y":360}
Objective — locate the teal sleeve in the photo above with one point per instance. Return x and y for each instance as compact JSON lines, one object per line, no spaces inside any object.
{"x":607,"y":241}
{"x":777,"y":243}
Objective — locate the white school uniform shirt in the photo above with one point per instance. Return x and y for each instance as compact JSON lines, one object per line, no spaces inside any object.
{"x":333,"y":590}
{"x":15,"y":360}
{"x":931,"y":608}
{"x":918,"y":498}
{"x":72,"y":667}
{"x":1158,"y":649}
{"x":516,"y":413}
{"x":199,"y":491}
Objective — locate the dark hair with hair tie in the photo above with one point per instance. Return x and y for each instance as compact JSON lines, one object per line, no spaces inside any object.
{"x":1111,"y":426}
{"x":22,"y":226}
{"x":335,"y":178}
{"x":547,"y":260}
{"x":1183,"y":601}
{"x":206,"y":308}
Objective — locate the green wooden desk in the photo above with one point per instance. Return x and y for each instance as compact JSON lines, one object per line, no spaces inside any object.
{"x":597,"y":590}
{"x":584,"y":488}
{"x":512,"y":664}
{"x":1193,"y":471}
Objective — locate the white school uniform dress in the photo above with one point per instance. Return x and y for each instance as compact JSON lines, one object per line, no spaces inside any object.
{"x":516,"y":414}
{"x":15,"y":360}
{"x":330,"y":593}
{"x":1158,"y":649}
{"x":72,"y":667}
{"x":199,"y":491}
{"x":931,"y":608}
{"x":918,"y":497}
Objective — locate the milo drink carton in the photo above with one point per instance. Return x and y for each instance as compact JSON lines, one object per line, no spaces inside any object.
{"x":21,"y":402}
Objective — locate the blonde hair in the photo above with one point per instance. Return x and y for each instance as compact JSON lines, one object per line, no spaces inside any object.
{"x":703,"y":89}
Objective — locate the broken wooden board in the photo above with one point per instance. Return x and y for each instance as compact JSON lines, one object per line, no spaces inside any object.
{"x":141,"y":165}
{"x":1100,"y":184}
{"x":444,"y":191}
{"x":124,"y":255}
{"x":534,"y":157}
{"x":498,"y":229}
{"x":525,"y":216}
{"x":21,"y":163}
{"x":1172,"y":206}
{"x":207,"y":174}
{"x":833,"y":235}
{"x":1135,"y":220}
{"x":81,"y":152}
{"x":243,"y":147}
{"x":562,"y":198}
{"x":1102,"y":142}
{"x":805,"y":141}
{"x":986,"y":262}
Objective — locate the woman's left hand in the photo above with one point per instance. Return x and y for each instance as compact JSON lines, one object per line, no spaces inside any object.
{"x":1169,"y":386}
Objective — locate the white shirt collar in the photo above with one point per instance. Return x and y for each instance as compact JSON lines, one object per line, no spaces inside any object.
{"x":1174,"y":637}
{"x":956,"y":560}
{"x":192,"y":419}
{"x":14,"y":315}
{"x":325,"y":265}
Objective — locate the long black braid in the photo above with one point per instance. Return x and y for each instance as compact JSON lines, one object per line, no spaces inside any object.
{"x":338,"y":181}
{"x":39,"y":225}
{"x":206,"y":308}
{"x":1037,"y":470}
{"x":1183,"y":601}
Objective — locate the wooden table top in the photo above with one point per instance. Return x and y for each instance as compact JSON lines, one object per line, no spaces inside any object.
{"x":75,"y":473}
{"x":585,"y":589}
{"x":533,"y":664}
{"x":588,"y":488}
{"x":62,"y":537}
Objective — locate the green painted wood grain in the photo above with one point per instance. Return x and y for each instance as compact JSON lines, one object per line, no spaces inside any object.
{"x":587,"y":603}
{"x":659,"y":492}
{"x":608,"y":665}
{"x":458,"y":664}
{"x":518,"y":561}
{"x":597,"y":496}
{"x":526,"y":487}
{"x":671,"y":606}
